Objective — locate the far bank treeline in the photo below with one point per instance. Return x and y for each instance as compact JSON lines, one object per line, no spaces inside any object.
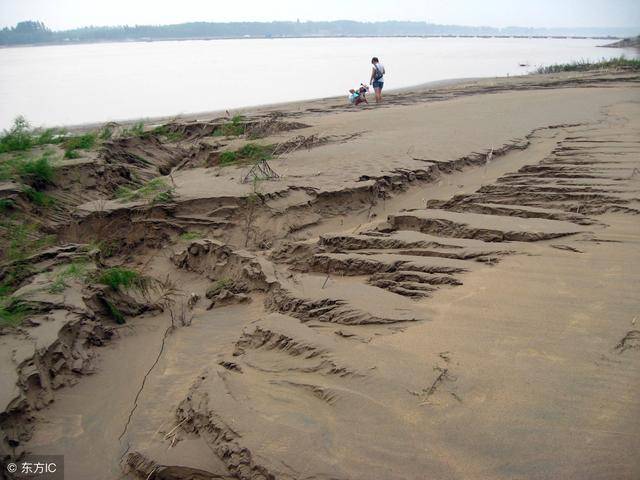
{"x":33,"y":32}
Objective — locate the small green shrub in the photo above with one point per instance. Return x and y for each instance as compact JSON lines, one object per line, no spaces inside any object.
{"x":21,"y":137}
{"x":18,"y":138}
{"x":255,"y":151}
{"x":39,"y":171}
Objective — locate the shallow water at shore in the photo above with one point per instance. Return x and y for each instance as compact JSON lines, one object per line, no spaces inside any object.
{"x":75,"y":84}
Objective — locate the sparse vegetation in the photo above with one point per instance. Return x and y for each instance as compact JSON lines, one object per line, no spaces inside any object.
{"x":12,"y":311}
{"x":75,"y":270}
{"x":37,"y":197}
{"x":167,"y":134}
{"x":5,"y":204}
{"x":190,"y":236}
{"x":21,"y":240}
{"x":114,"y":312}
{"x":35,"y":172}
{"x":106,"y":133}
{"x":135,"y":130}
{"x":79,"y":142}
{"x":216,"y":288}
{"x":154,"y":191}
{"x":585,"y":65}
{"x":234,"y":127}
{"x":106,"y":248}
{"x":21,"y":136}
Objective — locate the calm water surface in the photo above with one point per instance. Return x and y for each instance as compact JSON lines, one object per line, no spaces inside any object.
{"x":73,"y":84}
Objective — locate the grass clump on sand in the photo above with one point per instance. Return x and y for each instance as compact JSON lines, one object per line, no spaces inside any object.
{"x":21,"y":136}
{"x":585,"y":65}
{"x":167,"y":134}
{"x":154,"y":191}
{"x":118,"y":278}
{"x":233,"y":128}
{"x":251,"y":152}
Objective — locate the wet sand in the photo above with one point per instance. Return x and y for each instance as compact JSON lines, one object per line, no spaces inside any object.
{"x":442,"y":286}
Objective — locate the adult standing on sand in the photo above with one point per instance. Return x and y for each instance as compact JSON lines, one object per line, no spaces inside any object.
{"x":377,"y":78}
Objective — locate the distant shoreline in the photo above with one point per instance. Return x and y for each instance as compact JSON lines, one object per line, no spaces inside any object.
{"x":183,"y":39}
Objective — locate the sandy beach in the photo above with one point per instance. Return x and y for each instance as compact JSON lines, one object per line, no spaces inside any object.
{"x":442,"y":286}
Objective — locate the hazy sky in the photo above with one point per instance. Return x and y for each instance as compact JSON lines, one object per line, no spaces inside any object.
{"x":62,"y":14}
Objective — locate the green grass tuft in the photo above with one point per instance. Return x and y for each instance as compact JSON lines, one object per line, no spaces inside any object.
{"x":118,"y":278}
{"x":227,"y":158}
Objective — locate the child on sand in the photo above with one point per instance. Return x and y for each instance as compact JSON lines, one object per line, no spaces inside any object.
{"x":358,"y":96}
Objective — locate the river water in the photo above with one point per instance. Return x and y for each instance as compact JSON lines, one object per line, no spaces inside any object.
{"x":72,"y":84}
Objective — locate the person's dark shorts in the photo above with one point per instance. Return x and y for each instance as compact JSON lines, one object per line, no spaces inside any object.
{"x":377,"y":84}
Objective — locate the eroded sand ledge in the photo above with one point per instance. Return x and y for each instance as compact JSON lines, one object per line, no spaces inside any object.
{"x":445,"y":286}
